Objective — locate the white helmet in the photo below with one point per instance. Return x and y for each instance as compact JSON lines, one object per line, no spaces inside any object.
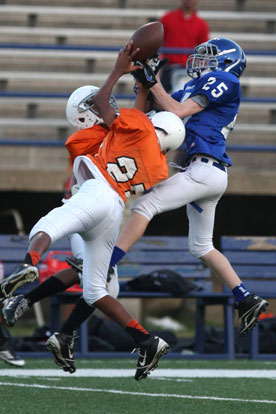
{"x":80,"y":111}
{"x":169,"y":129}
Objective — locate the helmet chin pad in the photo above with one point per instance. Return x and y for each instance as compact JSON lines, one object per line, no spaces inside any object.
{"x":87,"y":119}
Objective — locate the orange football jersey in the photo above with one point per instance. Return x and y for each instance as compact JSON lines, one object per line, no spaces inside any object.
{"x":130,"y":158}
{"x":85,"y":141}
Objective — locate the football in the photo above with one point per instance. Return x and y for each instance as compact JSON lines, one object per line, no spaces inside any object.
{"x":149,"y":38}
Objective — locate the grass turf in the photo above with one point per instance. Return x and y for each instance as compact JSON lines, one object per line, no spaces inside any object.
{"x":97,"y":395}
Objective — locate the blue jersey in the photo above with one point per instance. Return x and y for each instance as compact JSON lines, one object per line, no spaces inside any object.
{"x":206,"y":131}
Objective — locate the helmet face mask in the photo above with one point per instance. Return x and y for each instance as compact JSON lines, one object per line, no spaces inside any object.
{"x":216,"y":54}
{"x":86,"y":104}
{"x":80,"y":110}
{"x":202,"y":60}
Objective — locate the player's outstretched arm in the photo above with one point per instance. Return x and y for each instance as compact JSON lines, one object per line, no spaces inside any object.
{"x":122,"y":66}
{"x":162,"y":100}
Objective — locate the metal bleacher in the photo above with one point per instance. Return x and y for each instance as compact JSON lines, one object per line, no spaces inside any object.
{"x":46,"y":51}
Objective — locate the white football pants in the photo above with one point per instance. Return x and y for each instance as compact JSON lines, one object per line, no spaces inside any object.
{"x":202,"y":183}
{"x":95,"y":212}
{"x":77,"y":248}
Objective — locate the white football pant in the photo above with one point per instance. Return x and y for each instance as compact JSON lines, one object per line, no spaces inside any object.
{"x":77,"y":248}
{"x":202,"y":183}
{"x":95,"y":212}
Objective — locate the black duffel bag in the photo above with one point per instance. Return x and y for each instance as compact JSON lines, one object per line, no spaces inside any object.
{"x":163,"y":280}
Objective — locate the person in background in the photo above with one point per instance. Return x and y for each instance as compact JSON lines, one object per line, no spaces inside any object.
{"x":6,"y":352}
{"x":183,"y":28}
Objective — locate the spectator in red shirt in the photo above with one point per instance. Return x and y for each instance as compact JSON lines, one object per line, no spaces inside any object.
{"x":183,"y":28}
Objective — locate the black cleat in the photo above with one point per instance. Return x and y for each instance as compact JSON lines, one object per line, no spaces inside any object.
{"x":8,"y":356}
{"x":61,"y":346}
{"x":75,"y":263}
{"x":249,"y":310}
{"x":21,"y":275}
{"x":150,"y":351}
{"x":14,"y":308}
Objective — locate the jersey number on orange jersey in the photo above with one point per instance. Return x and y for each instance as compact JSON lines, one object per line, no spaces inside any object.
{"x":125,"y":170}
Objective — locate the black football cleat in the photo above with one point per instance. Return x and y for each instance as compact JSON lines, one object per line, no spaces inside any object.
{"x":21,"y":275}
{"x":61,"y":346}
{"x":8,"y":355}
{"x":249,"y":310}
{"x":14,"y":308}
{"x":150,"y":351}
{"x":75,"y":263}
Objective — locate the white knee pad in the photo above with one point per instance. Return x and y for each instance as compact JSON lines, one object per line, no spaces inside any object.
{"x":98,"y":292}
{"x":94,"y":294}
{"x":145,"y":205}
{"x":200,"y":248}
{"x":45,"y":226}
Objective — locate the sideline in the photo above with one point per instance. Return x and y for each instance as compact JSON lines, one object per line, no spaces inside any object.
{"x":123,"y":373}
{"x":143,"y":394}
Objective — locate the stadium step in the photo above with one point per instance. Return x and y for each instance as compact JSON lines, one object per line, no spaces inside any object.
{"x":129,"y":18}
{"x":113,"y":37}
{"x":67,"y":59}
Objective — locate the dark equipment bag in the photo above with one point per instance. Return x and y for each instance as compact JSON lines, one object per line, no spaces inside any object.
{"x":163,"y":280}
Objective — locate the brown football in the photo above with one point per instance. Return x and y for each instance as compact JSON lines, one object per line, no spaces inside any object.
{"x":149,"y":38}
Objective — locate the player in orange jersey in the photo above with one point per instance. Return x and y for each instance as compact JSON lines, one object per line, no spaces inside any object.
{"x":87,"y":139}
{"x":130,"y":160}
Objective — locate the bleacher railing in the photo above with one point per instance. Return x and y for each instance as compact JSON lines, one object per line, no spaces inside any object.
{"x":29,"y":94}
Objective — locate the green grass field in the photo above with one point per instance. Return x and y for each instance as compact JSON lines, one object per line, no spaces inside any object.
{"x":107,"y":387}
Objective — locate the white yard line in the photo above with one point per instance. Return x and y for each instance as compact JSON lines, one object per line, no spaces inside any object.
{"x":123,"y":373}
{"x":142,"y":394}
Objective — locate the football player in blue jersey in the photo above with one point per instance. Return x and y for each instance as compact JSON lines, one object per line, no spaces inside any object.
{"x":208,"y":105}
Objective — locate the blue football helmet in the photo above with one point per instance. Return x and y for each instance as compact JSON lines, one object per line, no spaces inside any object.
{"x":217,"y":54}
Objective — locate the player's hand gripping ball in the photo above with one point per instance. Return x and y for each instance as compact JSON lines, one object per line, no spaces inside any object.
{"x":150,"y":68}
{"x":146,"y":75}
{"x":149,"y":38}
